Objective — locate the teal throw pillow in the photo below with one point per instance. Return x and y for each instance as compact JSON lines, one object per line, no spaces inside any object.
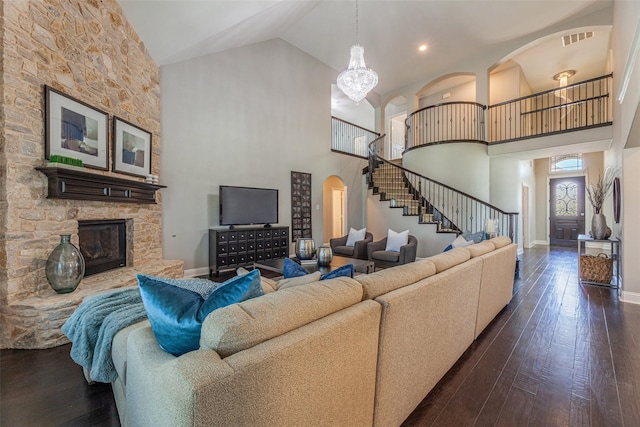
{"x":293,"y":269}
{"x":202,"y":286}
{"x":176,"y":314}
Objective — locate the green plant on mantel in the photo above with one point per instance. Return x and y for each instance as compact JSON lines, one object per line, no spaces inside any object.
{"x":600,"y":190}
{"x":56,"y":158}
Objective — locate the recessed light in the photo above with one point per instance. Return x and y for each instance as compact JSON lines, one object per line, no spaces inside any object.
{"x":422,"y":48}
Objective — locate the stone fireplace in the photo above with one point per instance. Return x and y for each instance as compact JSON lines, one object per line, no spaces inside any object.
{"x":87,"y":50}
{"x":103,"y":244}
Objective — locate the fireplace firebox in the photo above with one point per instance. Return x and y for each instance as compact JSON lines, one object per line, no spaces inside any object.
{"x":103,"y":244}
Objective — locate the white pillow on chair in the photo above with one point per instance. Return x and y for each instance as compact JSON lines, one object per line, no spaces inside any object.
{"x":355,"y":236}
{"x":396,"y":240}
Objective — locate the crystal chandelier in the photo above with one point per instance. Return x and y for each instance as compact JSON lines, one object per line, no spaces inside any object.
{"x":357,"y":80}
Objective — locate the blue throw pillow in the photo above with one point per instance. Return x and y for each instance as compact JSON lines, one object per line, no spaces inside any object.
{"x":345,"y":270}
{"x":477,"y":237}
{"x":293,"y":269}
{"x":448,"y":248}
{"x":176,"y":314}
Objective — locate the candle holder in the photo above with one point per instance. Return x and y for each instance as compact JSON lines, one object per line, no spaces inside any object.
{"x":325,"y":256}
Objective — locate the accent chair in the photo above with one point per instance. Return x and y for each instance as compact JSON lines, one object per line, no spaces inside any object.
{"x":358,"y":250}
{"x":376,"y":252}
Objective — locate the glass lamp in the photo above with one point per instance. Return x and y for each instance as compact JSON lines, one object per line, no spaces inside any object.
{"x":491,"y":228}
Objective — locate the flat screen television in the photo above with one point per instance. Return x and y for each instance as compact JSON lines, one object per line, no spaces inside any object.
{"x":246,"y":205}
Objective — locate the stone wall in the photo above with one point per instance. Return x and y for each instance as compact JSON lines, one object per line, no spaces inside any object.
{"x":86,"y":49}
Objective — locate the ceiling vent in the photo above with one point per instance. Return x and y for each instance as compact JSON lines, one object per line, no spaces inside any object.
{"x":577,"y":37}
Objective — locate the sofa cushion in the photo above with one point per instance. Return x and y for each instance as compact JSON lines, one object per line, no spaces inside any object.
{"x":481,"y":248}
{"x":450,"y":258}
{"x":344,"y":250}
{"x":389,"y":256}
{"x":355,"y":236}
{"x":240,"y":326}
{"x":500,"y":241}
{"x":176,"y":314}
{"x":119,"y":348}
{"x":387,"y":280}
{"x":300,"y":280}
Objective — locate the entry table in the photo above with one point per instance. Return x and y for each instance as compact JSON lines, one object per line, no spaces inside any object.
{"x":583,"y":240}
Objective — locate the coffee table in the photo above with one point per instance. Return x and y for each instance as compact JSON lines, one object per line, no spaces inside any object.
{"x":359,"y":265}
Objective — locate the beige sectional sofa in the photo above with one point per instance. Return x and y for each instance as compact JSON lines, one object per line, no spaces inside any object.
{"x":341,"y":352}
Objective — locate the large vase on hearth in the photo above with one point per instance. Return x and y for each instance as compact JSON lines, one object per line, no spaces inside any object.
{"x":599,"y":227}
{"x":65,"y":266}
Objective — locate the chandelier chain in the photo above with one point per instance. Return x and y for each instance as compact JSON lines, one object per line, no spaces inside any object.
{"x":356,"y":21}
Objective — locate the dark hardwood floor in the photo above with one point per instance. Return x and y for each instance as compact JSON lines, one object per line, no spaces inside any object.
{"x":560,"y":354}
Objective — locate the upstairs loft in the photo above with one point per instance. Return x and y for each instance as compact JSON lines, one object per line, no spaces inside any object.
{"x":567,"y":118}
{"x":579,"y":113}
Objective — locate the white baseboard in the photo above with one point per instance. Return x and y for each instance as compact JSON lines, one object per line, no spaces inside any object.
{"x":539,"y":243}
{"x":630,"y":297}
{"x":194,"y":272}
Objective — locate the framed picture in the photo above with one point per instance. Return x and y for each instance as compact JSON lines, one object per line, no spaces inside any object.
{"x":75,"y":129}
{"x":131,"y":149}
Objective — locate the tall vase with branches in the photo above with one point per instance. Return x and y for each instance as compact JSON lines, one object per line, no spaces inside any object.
{"x":597,"y":193}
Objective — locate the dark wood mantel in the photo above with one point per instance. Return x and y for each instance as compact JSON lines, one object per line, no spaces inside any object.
{"x":75,"y":184}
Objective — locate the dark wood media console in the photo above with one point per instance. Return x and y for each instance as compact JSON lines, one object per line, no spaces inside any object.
{"x":240,"y":247}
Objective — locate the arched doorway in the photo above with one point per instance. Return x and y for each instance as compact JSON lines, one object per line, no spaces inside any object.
{"x":334,"y":213}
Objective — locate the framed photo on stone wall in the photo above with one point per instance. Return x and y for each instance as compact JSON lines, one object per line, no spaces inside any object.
{"x":131,"y":149}
{"x":75,"y":129}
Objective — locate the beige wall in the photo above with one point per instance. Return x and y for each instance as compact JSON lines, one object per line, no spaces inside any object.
{"x":626,"y":16}
{"x":505,"y":85}
{"x":463,"y":166}
{"x":462,"y":93}
{"x":246,"y":116}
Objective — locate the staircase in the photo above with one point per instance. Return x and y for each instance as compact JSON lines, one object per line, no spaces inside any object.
{"x":412,"y":194}
{"x":431,"y":201}
{"x":388,"y":181}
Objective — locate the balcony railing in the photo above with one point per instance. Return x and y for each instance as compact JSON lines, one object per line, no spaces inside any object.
{"x":351,"y":139}
{"x":569,"y":108}
{"x":437,"y":202}
{"x":449,"y":122}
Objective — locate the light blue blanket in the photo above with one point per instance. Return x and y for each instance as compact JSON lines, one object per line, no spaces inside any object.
{"x":93,"y":325}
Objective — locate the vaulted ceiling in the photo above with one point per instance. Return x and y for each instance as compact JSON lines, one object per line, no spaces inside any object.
{"x":390,"y":32}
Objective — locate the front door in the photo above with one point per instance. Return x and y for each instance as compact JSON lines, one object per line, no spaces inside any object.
{"x":566,"y":210}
